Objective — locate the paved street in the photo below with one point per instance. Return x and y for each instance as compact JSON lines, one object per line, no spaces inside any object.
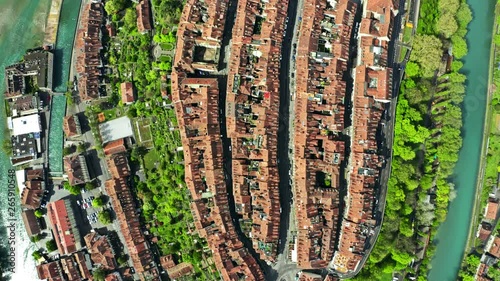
{"x":284,"y":268}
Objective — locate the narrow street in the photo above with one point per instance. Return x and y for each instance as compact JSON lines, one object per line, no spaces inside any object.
{"x":284,"y":267}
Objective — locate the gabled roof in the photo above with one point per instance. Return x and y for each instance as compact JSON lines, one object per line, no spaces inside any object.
{"x":32,"y":194}
{"x":118,"y":165}
{"x":127,"y":92}
{"x":30,"y":222}
{"x":100,"y":250}
{"x":113,"y":147}
{"x":71,"y":126}
{"x":51,"y":271}
{"x":76,"y":169}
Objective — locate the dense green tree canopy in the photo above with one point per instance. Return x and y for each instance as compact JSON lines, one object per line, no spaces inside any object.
{"x":114,"y":6}
{"x":51,"y":245}
{"x":104,"y":217}
{"x":427,"y":52}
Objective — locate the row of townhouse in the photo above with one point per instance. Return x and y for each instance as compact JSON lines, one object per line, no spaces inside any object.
{"x":252,"y":118}
{"x":371,"y":96}
{"x":322,"y":61}
{"x":196,"y":102}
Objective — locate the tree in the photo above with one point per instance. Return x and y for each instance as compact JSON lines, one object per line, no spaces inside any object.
{"x":456,"y":65}
{"x":114,"y":6}
{"x":36,"y":238}
{"x":122,"y":260}
{"x":7,"y":146}
{"x":89,"y":186}
{"x":38,"y":213}
{"x":104,"y":217}
{"x":98,"y":202}
{"x":75,"y":190}
{"x":464,"y":15}
{"x":467,"y":277}
{"x":471,"y":263}
{"x":412,"y":69}
{"x":427,"y":52}
{"x":37,"y":255}
{"x":99,"y":274}
{"x":459,"y":46}
{"x":130,"y":19}
{"x":132,"y":112}
{"x":497,"y":40}
{"x":80,"y":148}
{"x":69,"y":98}
{"x":447,"y":25}
{"x":138,"y":152}
{"x":494,"y":273}
{"x":51,"y":245}
{"x":67,"y":150}
{"x":448,"y":6}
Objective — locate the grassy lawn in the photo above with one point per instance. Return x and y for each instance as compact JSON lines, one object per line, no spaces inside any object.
{"x":402,"y":55}
{"x":150,"y":159}
{"x":143,"y":132}
{"x":167,"y":46}
{"x":386,"y":277}
{"x":110,"y":114}
{"x":165,"y":58}
{"x":407,"y":34}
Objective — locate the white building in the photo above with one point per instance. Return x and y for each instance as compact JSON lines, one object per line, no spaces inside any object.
{"x":26,"y":125}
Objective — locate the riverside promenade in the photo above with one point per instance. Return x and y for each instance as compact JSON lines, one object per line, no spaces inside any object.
{"x":52,"y":23}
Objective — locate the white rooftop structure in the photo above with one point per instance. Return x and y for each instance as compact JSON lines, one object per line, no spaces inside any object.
{"x":26,"y":125}
{"x":21,"y":179}
{"x":116,"y":129}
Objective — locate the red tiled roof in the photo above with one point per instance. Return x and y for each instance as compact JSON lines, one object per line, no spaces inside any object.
{"x":32,"y":194}
{"x":51,"y":271}
{"x":118,"y":165}
{"x":60,"y":216}
{"x":114,"y":147}
{"x":101,"y":251}
{"x":143,"y":16}
{"x":30,"y":222}
{"x":71,"y":126}
{"x":127,"y":91}
{"x":491,"y":210}
{"x":495,"y":247}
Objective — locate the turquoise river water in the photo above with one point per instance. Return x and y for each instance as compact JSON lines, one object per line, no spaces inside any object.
{"x":62,"y":59}
{"x":452,"y":235}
